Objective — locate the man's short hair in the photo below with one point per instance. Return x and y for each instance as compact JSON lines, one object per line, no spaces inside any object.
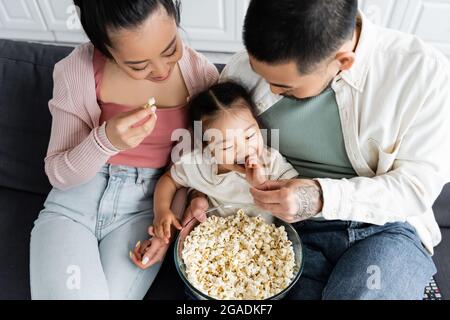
{"x":305,"y":31}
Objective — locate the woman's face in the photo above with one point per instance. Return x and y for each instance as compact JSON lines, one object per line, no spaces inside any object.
{"x":149,"y":51}
{"x":234,"y":136}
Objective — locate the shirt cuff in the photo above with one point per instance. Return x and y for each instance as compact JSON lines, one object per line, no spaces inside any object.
{"x":102,"y":139}
{"x":334,"y":200}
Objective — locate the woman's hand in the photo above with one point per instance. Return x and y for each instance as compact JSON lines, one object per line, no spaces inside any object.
{"x":149,"y":252}
{"x":127,"y":130}
{"x":196,"y":209}
{"x":162,"y":225}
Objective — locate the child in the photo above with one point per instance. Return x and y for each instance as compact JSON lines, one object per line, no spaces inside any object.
{"x":234,"y":157}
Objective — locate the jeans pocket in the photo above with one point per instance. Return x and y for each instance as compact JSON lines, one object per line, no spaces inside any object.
{"x":148,"y":186}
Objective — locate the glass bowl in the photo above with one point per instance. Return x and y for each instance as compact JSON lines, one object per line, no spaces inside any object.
{"x":252,"y":211}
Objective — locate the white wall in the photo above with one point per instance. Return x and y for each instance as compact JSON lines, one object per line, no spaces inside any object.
{"x":216,"y":25}
{"x":429,"y":19}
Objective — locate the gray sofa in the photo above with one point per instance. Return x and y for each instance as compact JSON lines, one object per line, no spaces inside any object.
{"x":25,"y":89}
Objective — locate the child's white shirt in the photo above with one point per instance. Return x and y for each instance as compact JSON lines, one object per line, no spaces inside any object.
{"x":196,"y":171}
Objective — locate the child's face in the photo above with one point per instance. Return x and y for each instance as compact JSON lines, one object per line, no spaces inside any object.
{"x":234,"y":136}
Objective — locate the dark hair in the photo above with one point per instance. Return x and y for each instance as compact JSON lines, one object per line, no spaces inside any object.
{"x":100,"y":16}
{"x":306,"y":31}
{"x":209,"y":104}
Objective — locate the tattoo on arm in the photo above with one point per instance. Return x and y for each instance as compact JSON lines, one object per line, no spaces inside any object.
{"x":309,"y":200}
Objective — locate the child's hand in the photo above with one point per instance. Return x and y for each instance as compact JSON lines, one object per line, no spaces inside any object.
{"x":149,"y":252}
{"x":196,"y":210}
{"x":255,"y":172}
{"x":162,"y":226}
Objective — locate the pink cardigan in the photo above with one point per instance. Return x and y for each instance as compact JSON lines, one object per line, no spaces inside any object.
{"x":78,"y":145}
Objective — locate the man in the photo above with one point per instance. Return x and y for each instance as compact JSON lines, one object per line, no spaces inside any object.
{"x":362,"y":114}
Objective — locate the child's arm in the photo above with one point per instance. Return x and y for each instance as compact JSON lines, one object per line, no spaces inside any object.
{"x":165,"y":191}
{"x":151,"y":251}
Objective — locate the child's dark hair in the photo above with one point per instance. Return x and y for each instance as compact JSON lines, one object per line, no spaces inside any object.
{"x":98,"y":17}
{"x":221,"y":97}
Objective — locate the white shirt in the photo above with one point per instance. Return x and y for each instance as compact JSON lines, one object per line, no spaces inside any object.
{"x":196,"y":171}
{"x":394,"y":105}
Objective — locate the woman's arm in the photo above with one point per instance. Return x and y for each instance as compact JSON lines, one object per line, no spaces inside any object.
{"x":76,"y":152}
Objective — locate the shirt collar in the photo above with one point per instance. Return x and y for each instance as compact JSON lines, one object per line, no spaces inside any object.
{"x":356,"y":76}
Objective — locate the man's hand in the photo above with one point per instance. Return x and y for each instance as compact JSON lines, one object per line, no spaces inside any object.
{"x":290,"y":200}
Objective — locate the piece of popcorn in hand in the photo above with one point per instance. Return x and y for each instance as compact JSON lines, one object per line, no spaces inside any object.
{"x":151,"y":104}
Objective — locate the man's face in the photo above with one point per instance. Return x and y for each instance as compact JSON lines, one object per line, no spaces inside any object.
{"x":285,"y":79}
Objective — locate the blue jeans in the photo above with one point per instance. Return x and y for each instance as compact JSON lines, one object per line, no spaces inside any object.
{"x":81,"y":240}
{"x":351,"y":261}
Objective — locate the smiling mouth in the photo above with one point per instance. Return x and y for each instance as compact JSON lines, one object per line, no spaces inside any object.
{"x":160,"y":79}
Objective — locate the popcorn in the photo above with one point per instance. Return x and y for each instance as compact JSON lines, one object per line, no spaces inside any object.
{"x":151,"y":104}
{"x":239,"y":258}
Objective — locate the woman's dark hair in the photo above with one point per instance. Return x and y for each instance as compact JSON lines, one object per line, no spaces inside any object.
{"x":100,"y":16}
{"x":305,"y":31}
{"x":221,"y":97}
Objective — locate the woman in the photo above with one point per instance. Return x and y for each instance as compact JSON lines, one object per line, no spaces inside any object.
{"x":107,"y":152}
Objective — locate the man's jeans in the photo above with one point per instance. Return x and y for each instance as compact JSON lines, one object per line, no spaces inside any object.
{"x":351,"y":260}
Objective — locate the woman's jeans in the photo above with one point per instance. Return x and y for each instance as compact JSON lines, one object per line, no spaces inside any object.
{"x":81,"y":240}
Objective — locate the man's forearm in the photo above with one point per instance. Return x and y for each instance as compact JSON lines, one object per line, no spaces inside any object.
{"x":309,"y":200}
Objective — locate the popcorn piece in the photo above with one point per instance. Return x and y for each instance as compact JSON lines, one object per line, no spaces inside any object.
{"x":239,"y":258}
{"x":151,"y":104}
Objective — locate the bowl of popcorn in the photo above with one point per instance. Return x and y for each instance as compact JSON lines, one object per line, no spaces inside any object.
{"x":239,"y":253}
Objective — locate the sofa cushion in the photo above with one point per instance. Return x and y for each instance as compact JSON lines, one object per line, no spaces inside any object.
{"x":442,"y":260}
{"x":167,"y":278}
{"x":441,"y":207}
{"x":18,"y":211}
{"x":26,"y":77}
